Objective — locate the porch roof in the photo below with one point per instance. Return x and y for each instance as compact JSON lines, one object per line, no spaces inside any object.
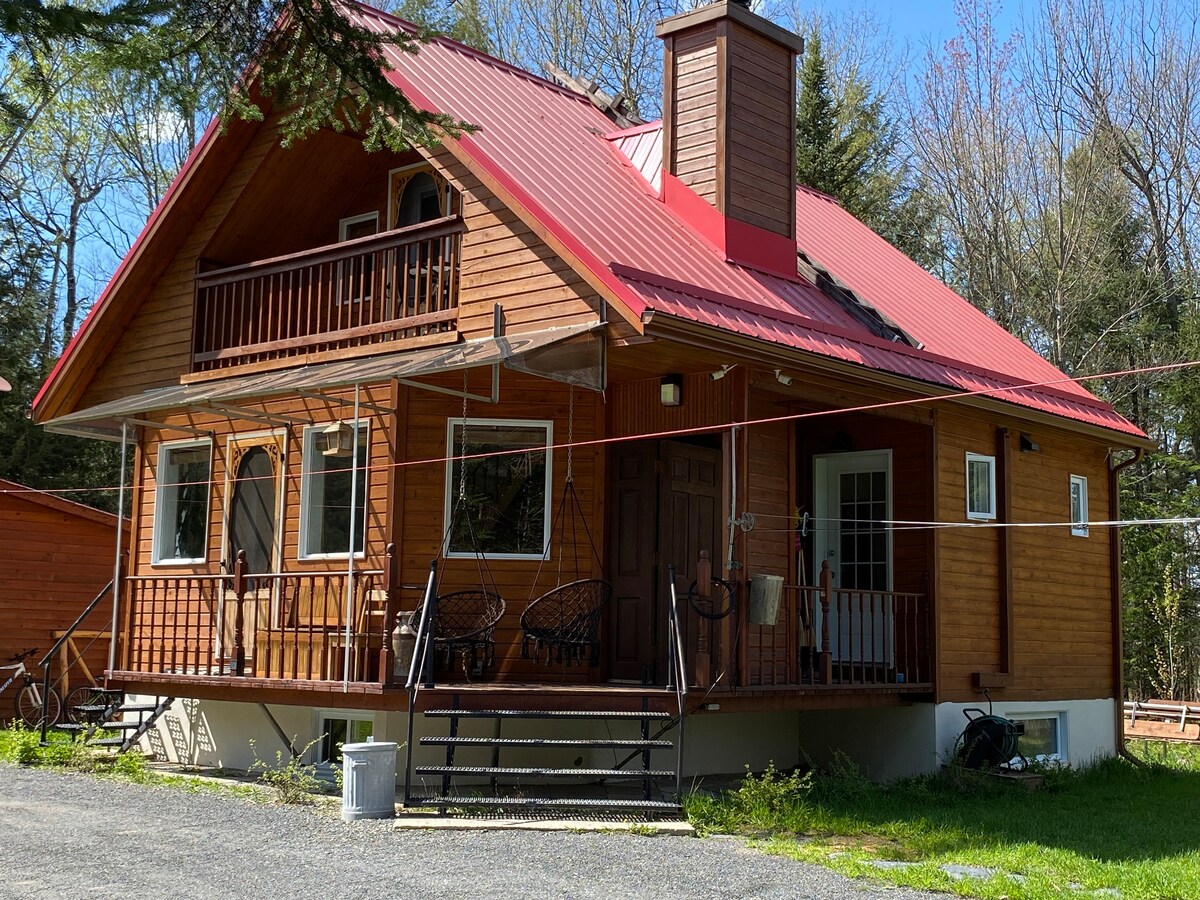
{"x":518,"y":351}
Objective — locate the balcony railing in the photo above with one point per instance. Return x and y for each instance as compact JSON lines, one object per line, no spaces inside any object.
{"x":291,"y":626}
{"x":398,"y":285}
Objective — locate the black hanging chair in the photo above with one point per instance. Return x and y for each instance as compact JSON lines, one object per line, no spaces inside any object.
{"x":564,"y":622}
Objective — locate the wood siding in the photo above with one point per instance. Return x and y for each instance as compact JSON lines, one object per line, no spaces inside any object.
{"x":694,"y":109}
{"x":503,"y":261}
{"x":760,"y":145}
{"x":53,"y":564}
{"x":1061,"y":590}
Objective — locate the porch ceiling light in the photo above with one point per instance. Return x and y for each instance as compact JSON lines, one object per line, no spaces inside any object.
{"x":336,"y":440}
{"x":720,"y":373}
{"x":670,"y":390}
{"x":781,"y":378}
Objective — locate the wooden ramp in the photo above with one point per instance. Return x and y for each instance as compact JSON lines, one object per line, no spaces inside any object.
{"x":1162,"y":720}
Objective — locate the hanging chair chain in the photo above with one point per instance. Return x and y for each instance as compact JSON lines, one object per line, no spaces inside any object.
{"x":462,"y":463}
{"x":571,"y":435}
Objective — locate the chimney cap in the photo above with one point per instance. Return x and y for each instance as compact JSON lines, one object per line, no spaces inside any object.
{"x":730,"y":9}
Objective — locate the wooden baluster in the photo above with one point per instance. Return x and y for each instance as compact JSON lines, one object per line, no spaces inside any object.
{"x":387,"y":654}
{"x":825,"y":656}
{"x":239,"y":591}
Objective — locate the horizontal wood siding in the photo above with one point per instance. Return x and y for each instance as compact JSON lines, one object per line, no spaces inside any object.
{"x":505,"y":262}
{"x":1061,"y":591}
{"x":52,"y":565}
{"x":635,"y":408}
{"x":694,"y":111}
{"x":768,"y":545}
{"x":761,"y":142}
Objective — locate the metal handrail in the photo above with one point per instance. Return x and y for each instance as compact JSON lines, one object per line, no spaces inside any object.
{"x":419,"y":668}
{"x":678,"y":675}
{"x":104,"y":592}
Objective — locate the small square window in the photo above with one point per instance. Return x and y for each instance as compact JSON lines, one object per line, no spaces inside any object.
{"x":981,"y":486}
{"x":506,"y":496}
{"x":337,"y":730}
{"x":181,"y":502}
{"x":1079,"y":506}
{"x":325,"y":496}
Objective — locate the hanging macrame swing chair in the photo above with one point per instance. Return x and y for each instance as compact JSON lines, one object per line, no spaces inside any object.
{"x":465,"y":621}
{"x":564,"y":623}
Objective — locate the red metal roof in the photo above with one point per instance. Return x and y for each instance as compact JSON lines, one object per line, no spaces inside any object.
{"x":591,"y":186}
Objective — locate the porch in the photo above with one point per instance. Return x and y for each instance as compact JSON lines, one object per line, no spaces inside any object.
{"x":330,"y":637}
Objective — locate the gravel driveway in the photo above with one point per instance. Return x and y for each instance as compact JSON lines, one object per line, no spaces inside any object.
{"x":73,"y":836}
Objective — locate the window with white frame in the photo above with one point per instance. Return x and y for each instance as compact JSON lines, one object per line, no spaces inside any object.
{"x":1044,"y":738}
{"x":336,"y":728}
{"x":981,"y":486}
{"x":325,"y":493}
{"x":1079,"y":506}
{"x":505,"y":507}
{"x":181,"y":502}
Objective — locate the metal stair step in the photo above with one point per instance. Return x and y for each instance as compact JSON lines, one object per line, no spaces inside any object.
{"x":528,"y":772}
{"x":106,"y":726}
{"x":549,"y":803}
{"x":106,"y":742}
{"x":101,"y":707}
{"x":598,"y":744}
{"x":545,"y":714}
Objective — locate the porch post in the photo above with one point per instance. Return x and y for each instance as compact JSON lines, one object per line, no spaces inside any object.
{"x":112,"y":640}
{"x":387,"y":653}
{"x":239,"y":621}
{"x":825,"y":657}
{"x":350,"y":554}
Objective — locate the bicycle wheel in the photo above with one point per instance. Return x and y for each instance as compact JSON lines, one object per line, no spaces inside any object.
{"x":85,"y":695}
{"x":29,"y":706}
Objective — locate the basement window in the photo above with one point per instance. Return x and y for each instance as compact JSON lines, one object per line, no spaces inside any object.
{"x":981,"y":486}
{"x":504,"y":513}
{"x":1079,"y":506}
{"x":181,"y":502}
{"x":337,"y":728}
{"x":1044,"y":739}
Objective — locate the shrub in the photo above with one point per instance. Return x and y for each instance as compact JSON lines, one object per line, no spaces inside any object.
{"x":294,"y":782}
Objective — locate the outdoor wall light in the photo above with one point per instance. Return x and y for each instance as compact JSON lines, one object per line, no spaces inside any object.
{"x":670,"y":390}
{"x":336,"y":440}
{"x":781,"y":378}
{"x":720,"y":373}
{"x":1028,"y":444}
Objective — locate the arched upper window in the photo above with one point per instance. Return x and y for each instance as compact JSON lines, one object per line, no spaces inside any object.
{"x":420,"y":195}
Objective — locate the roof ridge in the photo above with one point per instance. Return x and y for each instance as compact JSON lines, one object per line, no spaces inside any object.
{"x":466,"y":49}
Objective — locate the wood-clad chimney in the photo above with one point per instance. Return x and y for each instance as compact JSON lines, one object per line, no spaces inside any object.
{"x":729,"y":120}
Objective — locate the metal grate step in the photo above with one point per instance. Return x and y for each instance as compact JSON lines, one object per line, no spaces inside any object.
{"x":545,"y":714}
{"x":101,"y":707}
{"x":99,"y":726}
{"x":525,"y":772}
{"x":598,"y":744}
{"x":548,"y":803}
{"x":107,"y":742}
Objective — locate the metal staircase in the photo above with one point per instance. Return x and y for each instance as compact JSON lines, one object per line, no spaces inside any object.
{"x":542,"y":716}
{"x":108,"y":712}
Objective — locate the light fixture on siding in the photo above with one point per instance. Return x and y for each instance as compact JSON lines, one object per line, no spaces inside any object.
{"x":720,"y":373}
{"x":1028,"y":444}
{"x":781,"y":378}
{"x":670,"y":390}
{"x":336,"y":440}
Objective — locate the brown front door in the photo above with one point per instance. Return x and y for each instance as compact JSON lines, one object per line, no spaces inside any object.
{"x":666,"y":499}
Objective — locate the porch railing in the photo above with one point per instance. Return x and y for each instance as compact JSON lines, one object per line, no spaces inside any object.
{"x":392,"y":286}
{"x":285,"y":626}
{"x":860,"y":637}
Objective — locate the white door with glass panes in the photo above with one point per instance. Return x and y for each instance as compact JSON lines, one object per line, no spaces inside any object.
{"x":853,"y":505}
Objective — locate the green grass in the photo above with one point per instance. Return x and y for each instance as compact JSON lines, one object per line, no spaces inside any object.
{"x":20,"y":746}
{"x":1113,"y":826}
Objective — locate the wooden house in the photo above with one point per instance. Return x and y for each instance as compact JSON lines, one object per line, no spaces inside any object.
{"x":653,"y":330}
{"x":57,"y":556}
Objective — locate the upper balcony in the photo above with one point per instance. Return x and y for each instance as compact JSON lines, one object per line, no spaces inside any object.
{"x":401,"y":285}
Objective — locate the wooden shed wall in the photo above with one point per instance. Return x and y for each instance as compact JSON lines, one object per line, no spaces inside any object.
{"x":52,"y":565}
{"x":1061,"y":588}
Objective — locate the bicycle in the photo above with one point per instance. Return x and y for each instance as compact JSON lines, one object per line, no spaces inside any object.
{"x":29,"y":697}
